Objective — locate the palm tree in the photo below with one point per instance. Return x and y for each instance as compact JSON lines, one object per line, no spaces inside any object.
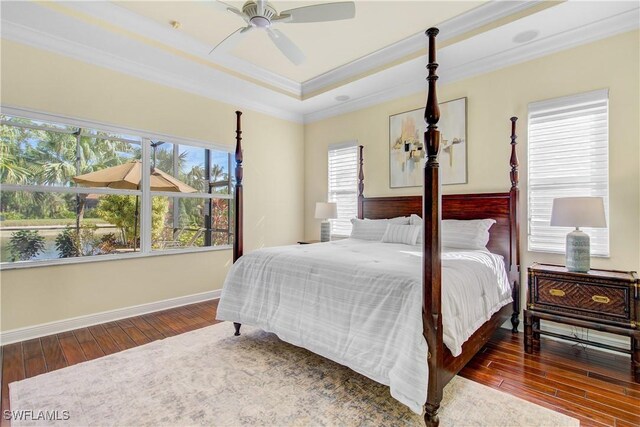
{"x":13,"y":166}
{"x":58,"y":157}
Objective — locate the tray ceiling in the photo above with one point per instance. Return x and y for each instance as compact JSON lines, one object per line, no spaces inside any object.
{"x":352,"y":64}
{"x":327,"y":45}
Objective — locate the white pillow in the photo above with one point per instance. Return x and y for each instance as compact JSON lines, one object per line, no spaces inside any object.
{"x":404,"y":220}
{"x":368,"y":229}
{"x":397,"y":233}
{"x":373,"y":229}
{"x":461,"y":234}
{"x":415,"y":220}
{"x":466,"y":234}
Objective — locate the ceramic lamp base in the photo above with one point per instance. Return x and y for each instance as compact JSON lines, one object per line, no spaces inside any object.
{"x":325,"y":231}
{"x":578,"y":251}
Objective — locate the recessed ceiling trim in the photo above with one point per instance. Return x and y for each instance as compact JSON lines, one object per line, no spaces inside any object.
{"x":126,"y":19}
{"x":387,"y":94}
{"x":194,"y":77}
{"x":215,"y":89}
{"x":606,"y":27}
{"x":449,"y":29}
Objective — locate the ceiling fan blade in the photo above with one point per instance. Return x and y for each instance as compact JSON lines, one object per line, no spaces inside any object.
{"x":286,"y":46}
{"x":318,"y":13}
{"x":231,"y":40}
{"x":223,"y":7}
{"x":260,"y":7}
{"x":240,"y":14}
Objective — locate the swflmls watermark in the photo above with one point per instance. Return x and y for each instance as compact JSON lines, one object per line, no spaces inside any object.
{"x":31,"y":415}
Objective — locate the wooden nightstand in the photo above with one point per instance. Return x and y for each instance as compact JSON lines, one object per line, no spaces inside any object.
{"x":602,"y":300}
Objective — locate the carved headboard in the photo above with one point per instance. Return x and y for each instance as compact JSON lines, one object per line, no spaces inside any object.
{"x":456,"y":206}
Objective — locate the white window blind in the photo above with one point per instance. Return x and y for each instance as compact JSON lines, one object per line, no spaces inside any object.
{"x":568,"y":156}
{"x":343,"y":185}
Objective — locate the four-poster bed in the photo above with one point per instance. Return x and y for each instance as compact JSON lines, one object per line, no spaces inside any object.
{"x":503,"y":241}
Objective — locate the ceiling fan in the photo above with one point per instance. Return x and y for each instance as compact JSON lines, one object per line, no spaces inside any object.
{"x":259,"y":14}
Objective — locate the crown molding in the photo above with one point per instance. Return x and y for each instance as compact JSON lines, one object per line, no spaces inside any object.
{"x":604,"y":28}
{"x":601,"y":29}
{"x":146,"y":27}
{"x":114,"y":50}
{"x":468,"y":21}
{"x":214,"y":88}
{"x":379,"y":97}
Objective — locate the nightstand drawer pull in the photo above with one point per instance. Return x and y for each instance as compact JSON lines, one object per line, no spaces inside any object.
{"x":600,"y":298}
{"x":556,"y":292}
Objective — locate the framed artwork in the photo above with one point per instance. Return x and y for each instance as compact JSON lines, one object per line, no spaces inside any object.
{"x":406,"y":145}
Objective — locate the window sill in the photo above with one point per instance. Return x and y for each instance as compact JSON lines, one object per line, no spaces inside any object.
{"x":103,"y":258}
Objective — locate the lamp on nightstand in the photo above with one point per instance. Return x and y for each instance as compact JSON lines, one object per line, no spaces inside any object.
{"x":578,"y":212}
{"x":326,"y":211}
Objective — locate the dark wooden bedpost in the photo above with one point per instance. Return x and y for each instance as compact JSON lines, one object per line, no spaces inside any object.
{"x":431,"y":271}
{"x":360,"y":182}
{"x":514,"y":215}
{"x":238,"y":231}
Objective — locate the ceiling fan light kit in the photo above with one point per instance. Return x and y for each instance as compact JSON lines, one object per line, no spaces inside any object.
{"x":261,"y":15}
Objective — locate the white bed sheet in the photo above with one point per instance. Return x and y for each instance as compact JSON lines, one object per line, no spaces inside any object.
{"x":359,"y":303}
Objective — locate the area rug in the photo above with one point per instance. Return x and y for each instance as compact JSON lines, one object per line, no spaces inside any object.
{"x":209,"y":377}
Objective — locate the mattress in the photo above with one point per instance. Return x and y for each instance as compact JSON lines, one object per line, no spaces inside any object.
{"x":359,"y":303}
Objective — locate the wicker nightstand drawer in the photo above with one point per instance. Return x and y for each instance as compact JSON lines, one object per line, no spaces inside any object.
{"x":598,"y":298}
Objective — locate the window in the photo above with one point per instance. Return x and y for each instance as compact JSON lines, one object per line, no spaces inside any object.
{"x":567,"y":156}
{"x":72,"y":191}
{"x":343,"y":185}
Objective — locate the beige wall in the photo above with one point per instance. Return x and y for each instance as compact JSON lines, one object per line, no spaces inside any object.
{"x":46,"y":82}
{"x":39,"y":295}
{"x":493,"y":98}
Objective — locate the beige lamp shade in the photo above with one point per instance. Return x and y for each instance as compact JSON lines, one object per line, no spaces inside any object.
{"x":326,"y":210}
{"x":578,"y":212}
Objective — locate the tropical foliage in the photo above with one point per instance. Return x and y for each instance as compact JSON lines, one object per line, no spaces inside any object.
{"x":120,"y":211}
{"x":25,"y":244}
{"x":40,"y":154}
{"x":72,"y":242}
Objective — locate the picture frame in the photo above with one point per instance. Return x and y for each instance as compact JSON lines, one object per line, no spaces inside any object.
{"x":406,"y":145}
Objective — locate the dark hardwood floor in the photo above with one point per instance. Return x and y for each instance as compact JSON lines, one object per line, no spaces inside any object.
{"x":590,"y":385}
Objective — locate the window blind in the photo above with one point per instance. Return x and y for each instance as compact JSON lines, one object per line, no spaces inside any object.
{"x":343,"y":185}
{"x":568,"y":155}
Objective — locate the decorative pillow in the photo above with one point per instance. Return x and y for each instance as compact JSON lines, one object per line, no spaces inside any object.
{"x":398,"y":233}
{"x":415,"y":220}
{"x":368,"y":229}
{"x":461,"y":234}
{"x":404,"y":220}
{"x":466,"y":234}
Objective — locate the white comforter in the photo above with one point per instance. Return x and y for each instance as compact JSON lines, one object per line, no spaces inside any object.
{"x":359,"y":303}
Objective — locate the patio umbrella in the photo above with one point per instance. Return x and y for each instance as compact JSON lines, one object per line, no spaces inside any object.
{"x":127,"y":176}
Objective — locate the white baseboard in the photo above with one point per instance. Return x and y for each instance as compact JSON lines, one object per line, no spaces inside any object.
{"x":44,"y":329}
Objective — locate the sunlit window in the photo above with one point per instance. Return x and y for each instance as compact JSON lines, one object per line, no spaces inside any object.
{"x":72,"y":191}
{"x":568,"y":155}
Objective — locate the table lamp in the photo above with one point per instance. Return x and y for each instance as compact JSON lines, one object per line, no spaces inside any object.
{"x":578,"y":212}
{"x":326,"y":211}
